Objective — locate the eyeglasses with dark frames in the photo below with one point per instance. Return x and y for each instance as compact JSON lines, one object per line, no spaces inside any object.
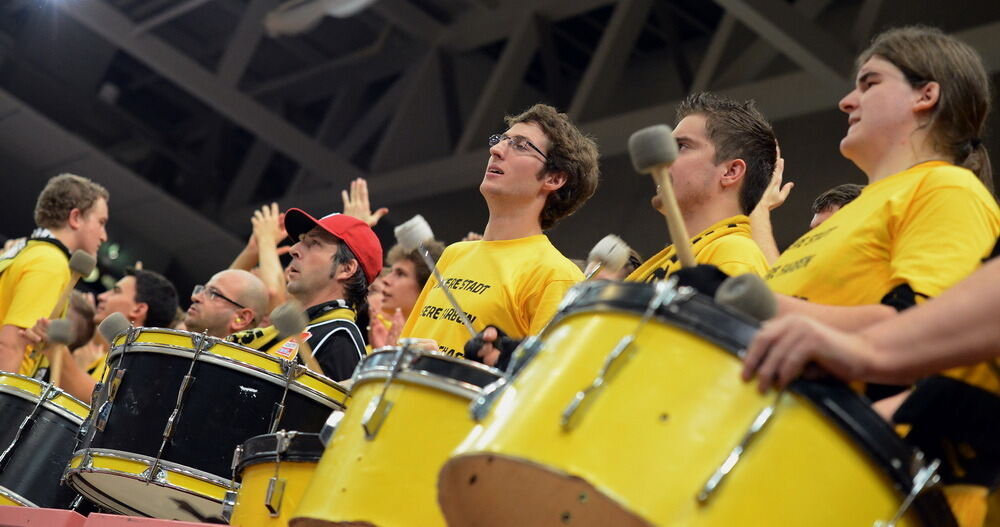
{"x":213,"y":293}
{"x":518,"y":142}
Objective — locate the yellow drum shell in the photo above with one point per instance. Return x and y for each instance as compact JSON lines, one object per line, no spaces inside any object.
{"x":390,"y":480}
{"x":250,"y":509}
{"x":649,"y":442}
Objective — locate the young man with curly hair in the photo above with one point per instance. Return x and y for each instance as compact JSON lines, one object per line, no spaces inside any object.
{"x":540,"y":170}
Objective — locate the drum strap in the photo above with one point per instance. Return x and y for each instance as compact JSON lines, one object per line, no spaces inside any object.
{"x":37,"y":236}
{"x":955,"y":422}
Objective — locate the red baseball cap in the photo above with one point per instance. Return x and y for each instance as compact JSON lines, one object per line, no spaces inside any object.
{"x":359,"y":237}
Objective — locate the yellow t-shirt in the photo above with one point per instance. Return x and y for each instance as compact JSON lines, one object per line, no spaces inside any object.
{"x":929,"y":226}
{"x":30,"y":287}
{"x":726,"y":245}
{"x":515,"y":285}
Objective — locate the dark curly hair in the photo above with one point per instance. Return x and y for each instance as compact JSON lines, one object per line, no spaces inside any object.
{"x":570,"y":152}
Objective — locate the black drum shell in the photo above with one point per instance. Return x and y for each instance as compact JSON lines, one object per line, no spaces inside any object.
{"x":223,"y":406}
{"x":35,"y":466}
{"x":302,"y":447}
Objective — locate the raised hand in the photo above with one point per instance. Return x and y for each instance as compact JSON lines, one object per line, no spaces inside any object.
{"x":356,"y":203}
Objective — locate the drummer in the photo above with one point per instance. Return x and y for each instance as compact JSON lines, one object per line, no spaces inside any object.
{"x":146,"y":298}
{"x":540,"y":170}
{"x":925,"y":220}
{"x":726,"y":155}
{"x":333,"y":261}
{"x":70,"y":213}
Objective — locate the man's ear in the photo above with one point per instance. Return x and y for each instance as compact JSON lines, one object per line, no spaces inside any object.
{"x":75,"y":218}
{"x":138,"y":313}
{"x":735,"y":170}
{"x":553,"y":181}
{"x":346,"y":270}
{"x":243,"y":319}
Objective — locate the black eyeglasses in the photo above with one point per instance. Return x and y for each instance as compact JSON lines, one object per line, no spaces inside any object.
{"x":518,"y":142}
{"x":212,"y":294}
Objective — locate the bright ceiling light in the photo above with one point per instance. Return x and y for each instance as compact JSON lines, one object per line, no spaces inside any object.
{"x":299,"y":16}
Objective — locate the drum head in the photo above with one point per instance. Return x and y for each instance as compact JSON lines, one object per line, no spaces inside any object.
{"x":118,"y":483}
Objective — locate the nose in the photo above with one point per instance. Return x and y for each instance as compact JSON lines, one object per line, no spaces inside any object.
{"x":849,"y":102}
{"x":294,"y":251}
{"x":499,"y":149}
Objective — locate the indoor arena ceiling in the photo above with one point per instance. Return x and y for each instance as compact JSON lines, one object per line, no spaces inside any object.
{"x":193,"y":115}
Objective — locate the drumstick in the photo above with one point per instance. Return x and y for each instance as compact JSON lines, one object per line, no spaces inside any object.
{"x":113,"y":325}
{"x":748,"y":294}
{"x":411,"y":235}
{"x":290,"y":320}
{"x":61,"y":334}
{"x":81,"y":264}
{"x":610,"y":253}
{"x":653,"y":150}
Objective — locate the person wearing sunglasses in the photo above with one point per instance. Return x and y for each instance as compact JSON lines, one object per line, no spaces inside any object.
{"x":540,"y":170}
{"x":233,"y":300}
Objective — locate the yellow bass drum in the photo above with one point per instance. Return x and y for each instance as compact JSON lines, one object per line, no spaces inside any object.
{"x":630,"y":411}
{"x":407,"y":411}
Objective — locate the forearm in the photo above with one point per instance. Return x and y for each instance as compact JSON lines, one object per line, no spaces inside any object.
{"x":844,"y":318}
{"x":74,"y":379}
{"x":763,"y":234}
{"x":246,"y":260}
{"x":958,"y":328}
{"x":12,"y":347}
{"x":270,"y":265}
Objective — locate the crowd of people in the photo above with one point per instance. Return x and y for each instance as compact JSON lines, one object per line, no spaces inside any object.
{"x":892,"y":284}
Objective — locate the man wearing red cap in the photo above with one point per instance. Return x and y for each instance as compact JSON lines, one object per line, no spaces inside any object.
{"x":334,"y":260}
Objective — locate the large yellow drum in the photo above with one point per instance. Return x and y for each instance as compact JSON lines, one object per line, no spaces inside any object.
{"x":273,"y":471}
{"x":599,"y":429}
{"x":408,"y":411}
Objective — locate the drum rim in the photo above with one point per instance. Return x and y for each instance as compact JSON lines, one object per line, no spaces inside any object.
{"x":832,"y":398}
{"x":225,"y":343}
{"x":86,"y":455}
{"x":422,"y":377}
{"x":256,"y":371}
{"x":248,"y":459}
{"x":15,"y":497}
{"x":50,"y":403}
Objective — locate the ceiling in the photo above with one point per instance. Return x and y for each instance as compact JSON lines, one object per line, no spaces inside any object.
{"x":193,"y":116}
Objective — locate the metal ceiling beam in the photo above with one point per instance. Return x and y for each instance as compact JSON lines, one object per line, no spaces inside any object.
{"x":463,"y":171}
{"x":409,"y":19}
{"x":480,"y":28}
{"x":611,"y":56}
{"x":239,"y":108}
{"x":802,"y":41}
{"x":865,"y":22}
{"x":167,"y":15}
{"x":716,"y":47}
{"x":505,"y":80}
{"x":752,"y":61}
{"x":243,"y":43}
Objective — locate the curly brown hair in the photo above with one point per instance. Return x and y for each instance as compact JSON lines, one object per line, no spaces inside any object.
{"x":61,"y":195}
{"x":571,"y":152}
